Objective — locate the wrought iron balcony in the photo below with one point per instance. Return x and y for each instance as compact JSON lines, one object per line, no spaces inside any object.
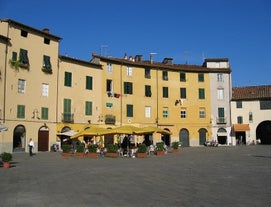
{"x":67,"y":117}
{"x":221,"y":120}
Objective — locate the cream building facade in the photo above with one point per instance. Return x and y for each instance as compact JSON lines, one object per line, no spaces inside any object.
{"x":44,"y":94}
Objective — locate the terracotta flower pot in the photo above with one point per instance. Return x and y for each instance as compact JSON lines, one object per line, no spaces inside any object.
{"x":159,"y":153}
{"x":79,"y":154}
{"x":92,"y":154}
{"x":175,"y":150}
{"x":6,"y":164}
{"x":66,"y":154}
{"x":111,"y":154}
{"x":141,"y":155}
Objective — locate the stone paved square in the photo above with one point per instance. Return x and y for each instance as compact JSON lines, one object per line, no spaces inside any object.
{"x":196,"y":176}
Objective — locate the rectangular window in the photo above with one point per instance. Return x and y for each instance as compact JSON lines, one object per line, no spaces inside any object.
{"x":109,"y":85}
{"x":45,"y":90}
{"x":202,"y":113}
{"x":67,"y":105}
{"x":21,"y":111}
{"x":183,"y":93}
{"x":183,"y":113}
{"x":21,"y":86}
{"x":240,"y":120}
{"x":129,"y":110}
{"x":147,"y":91}
{"x":265,"y":104}
{"x":88,"y":108}
{"x":165,"y":92}
{"x":165,"y":112}
{"x":44,"y":113}
{"x":165,"y":75}
{"x":147,"y":73}
{"x":24,"y":33}
{"x":128,"y":88}
{"x":68,"y":79}
{"x":220,"y":94}
{"x":109,"y":67}
{"x":239,"y":104}
{"x":219,"y":77}
{"x":46,"y":41}
{"x":47,"y":63}
{"x":147,"y":112}
{"x":89,"y":82}
{"x":23,"y":57}
{"x":14,"y":56}
{"x":201,"y":77}
{"x":129,"y":71}
{"x":182,"y":76}
{"x":201,"y":93}
{"x":250,"y":117}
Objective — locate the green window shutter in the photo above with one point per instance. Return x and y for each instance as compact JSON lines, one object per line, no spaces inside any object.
{"x":147,"y":91}
{"x":128,"y":88}
{"x":68,"y":79}
{"x":14,"y":56}
{"x":165,"y":92}
{"x":44,"y":113}
{"x":24,"y":57}
{"x":221,"y":112}
{"x":183,"y":92}
{"x":67,"y":105}
{"x":201,"y":93}
{"x":88,"y":109}
{"x":201,"y":77}
{"x":20,"y":111}
{"x":89,"y":82}
{"x":129,"y":110}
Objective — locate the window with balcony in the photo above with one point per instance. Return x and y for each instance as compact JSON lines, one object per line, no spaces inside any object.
{"x":23,"y":58}
{"x":221,"y":116}
{"x":67,"y":116}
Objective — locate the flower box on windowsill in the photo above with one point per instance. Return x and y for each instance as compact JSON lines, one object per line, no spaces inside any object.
{"x":47,"y":70}
{"x":24,"y":65}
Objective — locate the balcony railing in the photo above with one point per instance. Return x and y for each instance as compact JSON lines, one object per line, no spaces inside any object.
{"x":68,"y":117}
{"x":221,"y":120}
{"x":110,"y":119}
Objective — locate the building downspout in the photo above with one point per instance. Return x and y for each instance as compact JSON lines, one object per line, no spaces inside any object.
{"x":5,"y":78}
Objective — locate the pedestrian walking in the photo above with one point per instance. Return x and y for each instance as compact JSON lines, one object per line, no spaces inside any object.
{"x":31,"y":146}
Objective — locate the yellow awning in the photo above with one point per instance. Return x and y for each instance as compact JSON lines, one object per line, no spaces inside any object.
{"x":241,"y":127}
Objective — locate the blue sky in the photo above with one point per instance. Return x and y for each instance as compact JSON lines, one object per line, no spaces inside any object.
{"x":186,"y":30}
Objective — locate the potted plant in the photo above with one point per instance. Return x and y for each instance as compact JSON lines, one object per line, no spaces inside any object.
{"x":92,"y":150}
{"x":160,"y":148}
{"x":80,"y":150}
{"x":175,"y":146}
{"x":112,"y":150}
{"x":6,"y":158}
{"x":142,"y":151}
{"x":66,"y":150}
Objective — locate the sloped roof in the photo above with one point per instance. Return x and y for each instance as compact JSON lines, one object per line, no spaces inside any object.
{"x":251,"y":92}
{"x":161,"y":65}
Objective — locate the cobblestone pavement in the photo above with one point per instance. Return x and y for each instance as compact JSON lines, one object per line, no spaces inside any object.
{"x":196,"y":176}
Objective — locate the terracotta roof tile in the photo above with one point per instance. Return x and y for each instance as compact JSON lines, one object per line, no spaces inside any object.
{"x":251,"y":92}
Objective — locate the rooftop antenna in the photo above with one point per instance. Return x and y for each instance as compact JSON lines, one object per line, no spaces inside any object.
{"x":151,"y":56}
{"x":186,"y":54}
{"x":104,"y":50}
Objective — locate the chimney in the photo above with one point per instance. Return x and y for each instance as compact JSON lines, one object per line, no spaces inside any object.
{"x":138,"y":58}
{"x":46,"y":30}
{"x":168,"y":61}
